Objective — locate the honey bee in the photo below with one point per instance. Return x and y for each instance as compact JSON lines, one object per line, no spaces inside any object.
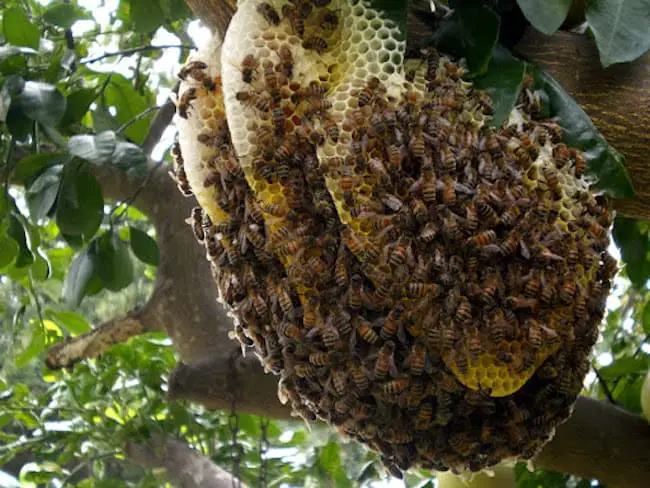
{"x":423,"y":418}
{"x":568,"y":291}
{"x":278,"y":119}
{"x":449,"y":191}
{"x":259,"y":101}
{"x":579,"y":164}
{"x":365,"y":330}
{"x":384,"y":360}
{"x":510,"y":215}
{"x":368,"y":93}
{"x":562,"y":154}
{"x":254,"y":236}
{"x":487,"y":214}
{"x":269,"y":13}
{"x":510,"y":243}
{"x":248,"y":67}
{"x":315,"y":43}
{"x":396,"y":386}
{"x":359,"y":377}
{"x":196,"y":70}
{"x":310,"y":312}
{"x":474,"y":347}
{"x":196,"y":221}
{"x":331,"y":129}
{"x":417,"y":358}
{"x":286,"y":59}
{"x":290,"y":11}
{"x":521,"y":302}
{"x":392,"y":322}
{"x":533,"y":287}
{"x":464,"y":311}
{"x":483,"y":238}
{"x":339,"y":379}
{"x":270,"y":76}
{"x":185,"y":101}
{"x":305,"y":370}
{"x":289,"y":330}
{"x":330,"y":21}
{"x":451,"y":229}
{"x":320,"y":358}
{"x":534,"y":333}
{"x":421,"y":290}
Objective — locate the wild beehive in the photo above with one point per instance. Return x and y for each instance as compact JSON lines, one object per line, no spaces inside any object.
{"x":429,"y":285}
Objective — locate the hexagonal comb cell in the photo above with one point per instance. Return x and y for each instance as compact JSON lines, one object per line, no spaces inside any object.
{"x":425,"y":283}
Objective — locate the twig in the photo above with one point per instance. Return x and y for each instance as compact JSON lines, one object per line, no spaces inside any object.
{"x":85,"y":463}
{"x":128,"y":202}
{"x":137,"y":118}
{"x":158,"y":125}
{"x":37,"y":302}
{"x":133,"y":50}
{"x":604,"y":386}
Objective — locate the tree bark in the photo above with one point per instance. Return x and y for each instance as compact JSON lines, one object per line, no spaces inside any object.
{"x":184,"y":467}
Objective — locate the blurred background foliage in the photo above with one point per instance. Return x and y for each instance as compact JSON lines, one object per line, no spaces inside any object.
{"x":79,"y":84}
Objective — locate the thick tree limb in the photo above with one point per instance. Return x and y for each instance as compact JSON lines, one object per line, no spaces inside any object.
{"x":184,"y":467}
{"x":604,"y":442}
{"x":215,"y":14}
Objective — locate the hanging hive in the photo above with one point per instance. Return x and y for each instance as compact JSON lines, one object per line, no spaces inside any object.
{"x":430,"y":286}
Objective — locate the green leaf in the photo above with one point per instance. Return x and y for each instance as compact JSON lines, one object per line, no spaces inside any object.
{"x":645,"y":318}
{"x":41,"y":102}
{"x":83,"y":271}
{"x":620,"y":28}
{"x":35,"y":346}
{"x":18,"y":233}
{"x":545,"y":15}
{"x":395,"y":10}
{"x":115,"y":264}
{"x":8,"y":50}
{"x":129,"y":103}
{"x":8,"y":251}
{"x":144,"y":247}
{"x":471,"y":32}
{"x":147,"y":15}
{"x":32,"y":164}
{"x":624,"y":366}
{"x":79,"y":103}
{"x":502,"y":81}
{"x":65,"y":14}
{"x":130,"y":158}
{"x":635,"y":249}
{"x":95,"y":149}
{"x":19,"y":30}
{"x":330,"y":457}
{"x":41,"y":268}
{"x":603,"y":161}
{"x":41,"y":194}
{"x":73,"y":322}
{"x":80,"y":205}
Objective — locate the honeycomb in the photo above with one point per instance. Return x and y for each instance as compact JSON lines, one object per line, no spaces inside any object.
{"x":428,"y":285}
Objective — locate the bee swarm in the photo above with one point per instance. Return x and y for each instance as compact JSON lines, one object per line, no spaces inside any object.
{"x":427,"y":284}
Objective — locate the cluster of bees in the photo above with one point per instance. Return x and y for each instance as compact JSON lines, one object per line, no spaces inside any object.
{"x":433,"y":287}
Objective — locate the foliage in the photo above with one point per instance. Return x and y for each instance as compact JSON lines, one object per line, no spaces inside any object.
{"x":67,"y":254}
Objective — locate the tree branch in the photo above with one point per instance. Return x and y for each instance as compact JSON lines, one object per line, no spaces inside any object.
{"x":215,"y":14}
{"x":134,"y":50}
{"x":94,"y":343}
{"x":601,"y":441}
{"x":184,"y":467}
{"x":158,"y":125}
